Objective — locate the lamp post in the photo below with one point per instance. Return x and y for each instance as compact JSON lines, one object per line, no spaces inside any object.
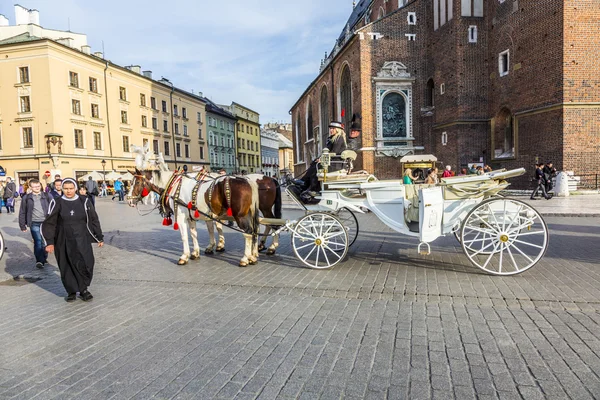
{"x":103,"y":162}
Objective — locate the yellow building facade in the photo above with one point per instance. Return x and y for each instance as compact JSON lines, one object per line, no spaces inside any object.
{"x":63,"y":111}
{"x":247,"y":133}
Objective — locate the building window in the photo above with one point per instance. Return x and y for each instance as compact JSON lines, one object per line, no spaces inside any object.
{"x":472,"y":34}
{"x":471,"y":8}
{"x":381,"y":13}
{"x":444,"y":138}
{"x":95,"y":111}
{"x":27,"y":137}
{"x":122,"y":93}
{"x":178,"y":149}
{"x":200,"y":133}
{"x":126,"y":144}
{"x":411,"y":37}
{"x":297,"y":145}
{"x":185,"y":131}
{"x":309,"y":122}
{"x":324,"y":110}
{"x":442,"y":88}
{"x":155,"y":146}
{"x":78,"y":139}
{"x":187,"y":151}
{"x":346,"y":98}
{"x":412,"y":18}
{"x":142,"y":100}
{"x":144,"y":142}
{"x":76,"y":107}
{"x":504,"y":63}
{"x":153,"y":103}
{"x":165,"y":126}
{"x":503,"y":135}
{"x":167,"y":149}
{"x":429,"y":93}
{"x":25,"y":104}
{"x":123,"y":117}
{"x":176,"y":128}
{"x":73,"y":79}
{"x":164,"y":106}
{"x":175,"y":111}
{"x":199,"y":117}
{"x":202,"y":153}
{"x":184,"y":112}
{"x":154,"y":123}
{"x":97,"y":141}
{"x":93,"y":85}
{"x":24,"y":74}
{"x":144,"y":121}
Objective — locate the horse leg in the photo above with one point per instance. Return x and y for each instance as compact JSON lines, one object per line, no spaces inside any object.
{"x":273,"y":248}
{"x":262,"y":244}
{"x":194,"y":233}
{"x":183,"y":228}
{"x":221,"y":243}
{"x":211,"y":237}
{"x":247,"y":250}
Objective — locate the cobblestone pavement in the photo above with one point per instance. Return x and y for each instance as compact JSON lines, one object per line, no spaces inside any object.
{"x":384,"y":324}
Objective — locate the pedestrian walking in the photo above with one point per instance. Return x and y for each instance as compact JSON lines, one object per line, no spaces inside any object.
{"x":34,"y":209}
{"x":56,"y":190}
{"x":69,"y":230}
{"x":103,"y":192}
{"x":10,"y":191}
{"x":92,"y":190}
{"x":549,"y":174}
{"x":540,"y":183}
{"x":118,"y":189}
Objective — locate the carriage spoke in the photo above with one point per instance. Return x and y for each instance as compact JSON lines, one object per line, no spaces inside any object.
{"x":500,"y":261}
{"x":518,"y":213}
{"x":512,"y":258}
{"x":490,"y":257}
{"x":483,"y":249}
{"x":523,"y":254}
{"x":325,"y":255}
{"x":307,"y":231}
{"x":525,"y":225}
{"x":531,"y":233}
{"x":477,"y":240}
{"x":528,"y":244}
{"x":309,"y":253}
{"x":317,"y":260}
{"x":333,"y":252}
{"x":305,"y":246}
{"x":485,"y":222}
{"x":479,"y":230}
{"x":334,"y":235}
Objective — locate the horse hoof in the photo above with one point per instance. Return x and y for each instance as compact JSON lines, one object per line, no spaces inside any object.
{"x":270,"y":252}
{"x":181,"y":262}
{"x":261,"y":248}
{"x":208,"y":252}
{"x":222,"y":249}
{"x":252,"y":262}
{"x":194,"y":257}
{"x":243,"y":264}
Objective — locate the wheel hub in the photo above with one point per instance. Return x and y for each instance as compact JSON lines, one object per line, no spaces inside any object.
{"x":503,"y":237}
{"x":318,"y":241}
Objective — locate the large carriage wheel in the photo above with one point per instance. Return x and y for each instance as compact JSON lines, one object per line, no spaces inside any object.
{"x":1,"y":245}
{"x":348,"y":219}
{"x":477,"y":223}
{"x":320,"y":240}
{"x":504,"y":236}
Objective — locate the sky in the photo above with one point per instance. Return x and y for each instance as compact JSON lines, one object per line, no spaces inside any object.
{"x":259,"y":53}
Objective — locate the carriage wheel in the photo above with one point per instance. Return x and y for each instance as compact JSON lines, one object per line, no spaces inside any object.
{"x":348,"y":219}
{"x":1,"y":245}
{"x":504,"y":236}
{"x":476,"y":223}
{"x":320,"y":240}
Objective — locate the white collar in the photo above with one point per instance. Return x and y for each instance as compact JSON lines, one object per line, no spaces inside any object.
{"x":72,"y":199}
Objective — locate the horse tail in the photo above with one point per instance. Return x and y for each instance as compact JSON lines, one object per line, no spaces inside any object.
{"x":277,"y":205}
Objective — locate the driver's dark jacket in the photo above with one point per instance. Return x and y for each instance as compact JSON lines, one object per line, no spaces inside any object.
{"x":337,"y":147}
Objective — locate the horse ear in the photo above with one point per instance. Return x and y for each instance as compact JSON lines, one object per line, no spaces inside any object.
{"x":136,"y":172}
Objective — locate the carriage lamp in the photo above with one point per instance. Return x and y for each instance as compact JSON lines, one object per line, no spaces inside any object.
{"x":325,"y":159}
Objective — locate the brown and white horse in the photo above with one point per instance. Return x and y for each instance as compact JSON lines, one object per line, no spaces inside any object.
{"x":192,"y":199}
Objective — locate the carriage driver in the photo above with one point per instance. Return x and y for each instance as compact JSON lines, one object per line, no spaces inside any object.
{"x":336,"y":144}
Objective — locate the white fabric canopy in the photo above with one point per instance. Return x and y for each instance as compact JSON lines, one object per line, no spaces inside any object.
{"x":127,"y":176}
{"x":113,"y":175}
{"x":96,"y":176}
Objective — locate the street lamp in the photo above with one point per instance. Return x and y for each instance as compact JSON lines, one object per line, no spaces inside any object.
{"x":103,"y":162}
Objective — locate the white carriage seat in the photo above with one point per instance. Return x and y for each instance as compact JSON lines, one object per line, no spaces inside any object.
{"x":411,"y":194}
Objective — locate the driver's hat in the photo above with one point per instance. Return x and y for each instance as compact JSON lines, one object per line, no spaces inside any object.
{"x":336,"y":124}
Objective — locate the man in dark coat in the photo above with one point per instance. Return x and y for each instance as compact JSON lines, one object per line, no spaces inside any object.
{"x":69,"y":230}
{"x":56,"y":191}
{"x":9,"y":195}
{"x":33,"y":211}
{"x":92,"y":189}
{"x":549,"y":173}
{"x":540,"y":182}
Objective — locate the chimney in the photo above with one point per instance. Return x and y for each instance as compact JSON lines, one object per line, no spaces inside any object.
{"x":65,"y":41}
{"x":34,"y":17}
{"x":137,"y":69}
{"x":99,"y":54}
{"x":86,"y":49}
{"x":200,"y":94}
{"x":147,"y":74}
{"x":3,"y":20}
{"x":21,"y":15}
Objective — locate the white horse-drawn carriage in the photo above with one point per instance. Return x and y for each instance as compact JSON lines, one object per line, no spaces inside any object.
{"x":501,"y":236}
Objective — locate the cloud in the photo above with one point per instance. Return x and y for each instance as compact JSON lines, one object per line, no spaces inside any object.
{"x":260,"y":53}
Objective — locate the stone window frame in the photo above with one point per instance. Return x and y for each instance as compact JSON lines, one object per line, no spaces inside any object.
{"x":406,"y":93}
{"x":444,"y":138}
{"x":32,"y":145}
{"x":100,"y":141}
{"x":501,"y":71}
{"x":83,"y":141}
{"x":473,"y":34}
{"x":413,"y":20}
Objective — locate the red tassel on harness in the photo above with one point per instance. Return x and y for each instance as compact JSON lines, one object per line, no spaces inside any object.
{"x":169,"y":221}
{"x":229,"y":212}
{"x":165,"y":222}
{"x":145,"y":192}
{"x":190,"y":205}
{"x":196,"y":214}
{"x":176,"y":226}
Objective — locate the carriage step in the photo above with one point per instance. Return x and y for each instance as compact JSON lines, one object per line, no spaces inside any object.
{"x":272,"y":221}
{"x":424,"y":252}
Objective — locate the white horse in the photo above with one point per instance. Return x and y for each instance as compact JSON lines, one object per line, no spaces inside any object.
{"x":243,"y":200}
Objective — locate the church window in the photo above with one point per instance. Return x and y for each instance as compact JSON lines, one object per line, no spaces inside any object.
{"x":504,"y":63}
{"x":411,"y":37}
{"x":381,"y":13}
{"x":345,"y":97}
{"x":472,"y":34}
{"x":444,"y":138}
{"x":324,"y":117}
{"x":471,"y":8}
{"x":298,"y":144}
{"x":412,"y":18}
{"x":429,"y":93}
{"x":393,"y":113}
{"x":442,"y":88}
{"x":309,"y":122}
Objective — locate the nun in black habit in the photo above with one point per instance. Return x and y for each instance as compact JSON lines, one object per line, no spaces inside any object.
{"x":70,"y":228}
